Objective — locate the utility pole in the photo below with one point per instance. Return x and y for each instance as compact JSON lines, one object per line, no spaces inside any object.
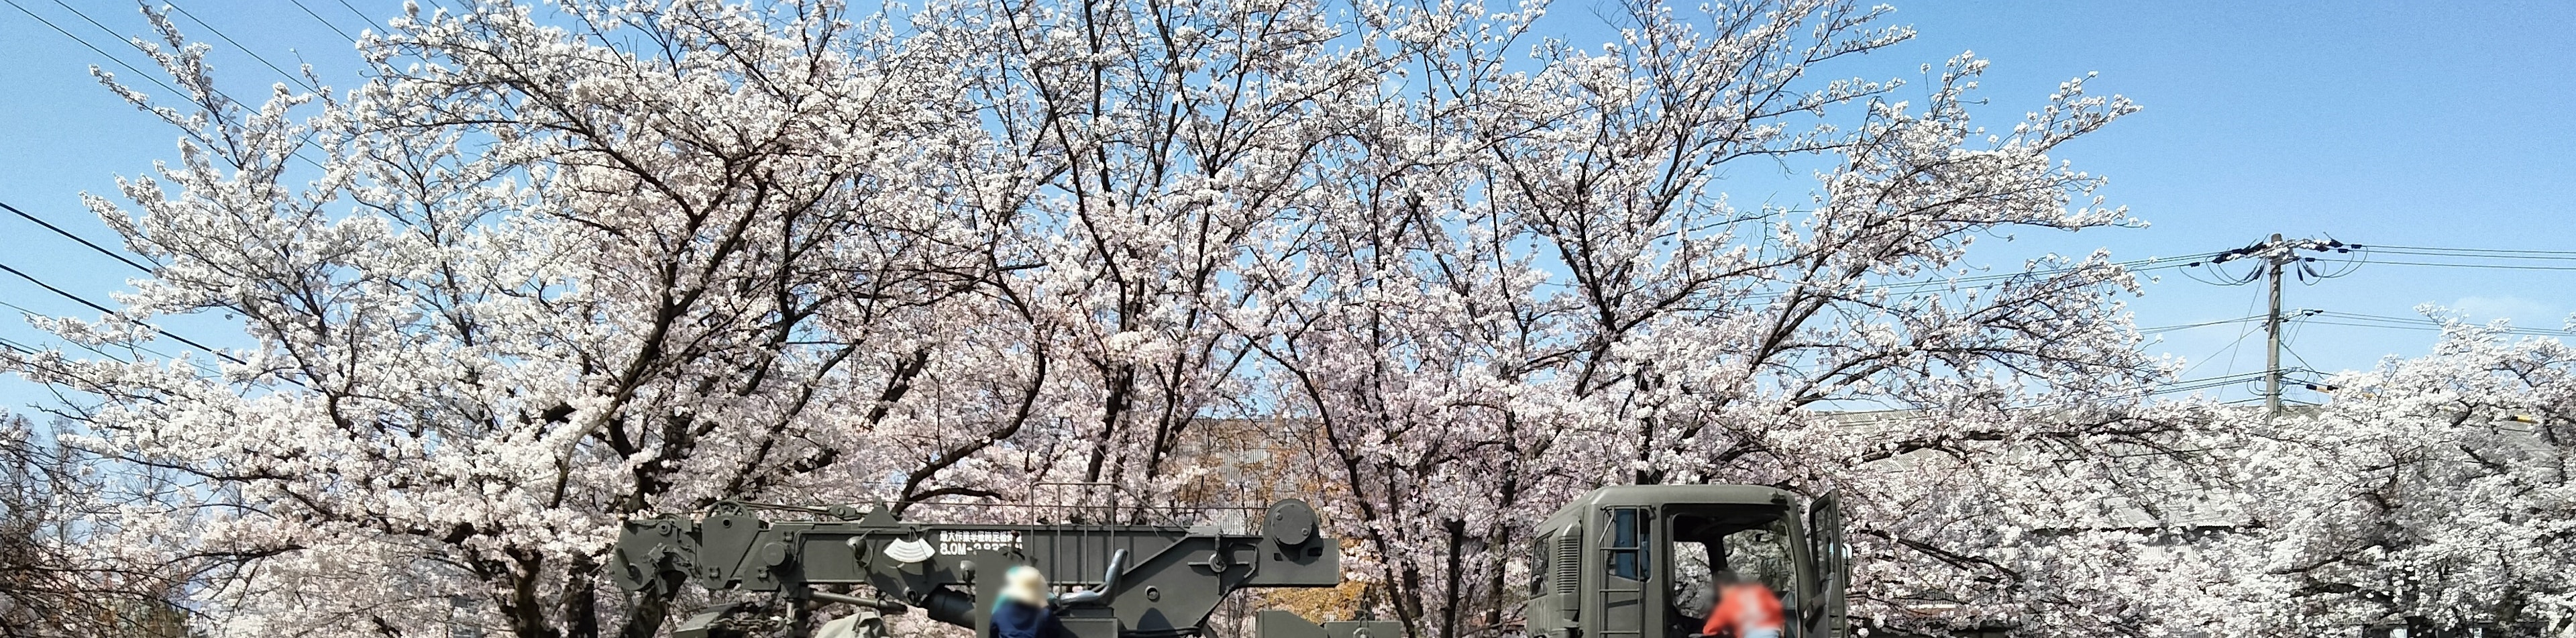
{"x":2272,"y":261}
{"x":2278,"y":254}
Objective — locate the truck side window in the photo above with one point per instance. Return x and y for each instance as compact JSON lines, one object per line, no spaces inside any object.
{"x":1693,"y":586}
{"x":1630,"y":536}
{"x":1538,"y":564}
{"x":1765,"y":554}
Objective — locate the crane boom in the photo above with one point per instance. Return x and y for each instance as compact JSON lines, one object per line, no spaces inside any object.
{"x":1136,"y":581}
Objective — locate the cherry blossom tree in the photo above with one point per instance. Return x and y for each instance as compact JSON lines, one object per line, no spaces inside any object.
{"x":50,"y":587}
{"x":1545,"y":287}
{"x":549,"y":267}
{"x":2434,"y":489}
{"x":542,"y":281}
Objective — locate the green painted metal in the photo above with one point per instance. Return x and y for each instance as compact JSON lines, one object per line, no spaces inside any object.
{"x":1131,"y":581}
{"x":1604,"y":566}
{"x":1619,"y":561}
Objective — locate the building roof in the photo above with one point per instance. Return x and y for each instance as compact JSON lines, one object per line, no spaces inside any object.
{"x":1616,"y":495}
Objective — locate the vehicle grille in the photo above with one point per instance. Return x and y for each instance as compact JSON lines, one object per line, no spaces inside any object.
{"x":1569,"y":562}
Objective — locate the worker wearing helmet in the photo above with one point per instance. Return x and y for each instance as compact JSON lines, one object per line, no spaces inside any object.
{"x":1745,"y":609}
{"x":1023,"y":610}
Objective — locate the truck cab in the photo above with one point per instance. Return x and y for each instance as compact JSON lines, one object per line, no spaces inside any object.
{"x":1640,"y":561}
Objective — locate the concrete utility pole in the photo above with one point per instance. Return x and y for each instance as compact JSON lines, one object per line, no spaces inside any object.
{"x":2276,"y":255}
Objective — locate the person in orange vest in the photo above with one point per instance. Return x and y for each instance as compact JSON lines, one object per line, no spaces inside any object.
{"x":1745,"y":609}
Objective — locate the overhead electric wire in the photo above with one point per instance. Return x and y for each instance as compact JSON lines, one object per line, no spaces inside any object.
{"x":157,"y":353}
{"x":26,"y":351}
{"x":2230,"y":347}
{"x":2472,"y":255}
{"x":2567,"y":254}
{"x":2287,"y":401}
{"x":2357,"y":315}
{"x":1910,"y":287}
{"x":2370,"y":254}
{"x":2496,"y":266}
{"x":112,"y":58}
{"x":68,"y":235}
{"x":299,"y":4}
{"x":2419,"y":323}
{"x":201,"y":366}
{"x":297,"y":154}
{"x":2294,"y":354}
{"x":362,"y":15}
{"x":254,"y":54}
{"x":2203,"y":324}
{"x":2211,"y":382}
{"x":105,"y":309}
{"x":137,"y":46}
{"x":2168,"y":387}
{"x":2369,"y":321}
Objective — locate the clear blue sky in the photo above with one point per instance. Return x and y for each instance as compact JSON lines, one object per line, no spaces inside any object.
{"x":2389,"y":123}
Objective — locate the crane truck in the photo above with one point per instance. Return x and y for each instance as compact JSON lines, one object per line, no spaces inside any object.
{"x":1631,"y":561}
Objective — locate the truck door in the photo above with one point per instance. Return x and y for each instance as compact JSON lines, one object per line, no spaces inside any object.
{"x":1830,"y":556}
{"x":1629,"y":604}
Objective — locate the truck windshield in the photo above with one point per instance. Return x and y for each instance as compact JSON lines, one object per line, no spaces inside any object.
{"x":1754,"y":542}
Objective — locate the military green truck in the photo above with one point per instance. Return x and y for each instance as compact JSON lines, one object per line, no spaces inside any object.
{"x":1621,"y":562}
{"x":1639,"y":561}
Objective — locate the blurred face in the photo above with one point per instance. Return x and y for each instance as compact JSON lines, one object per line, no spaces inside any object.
{"x":1747,"y":616}
{"x":1025,"y":585}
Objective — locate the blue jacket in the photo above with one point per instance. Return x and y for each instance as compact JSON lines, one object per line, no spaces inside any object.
{"x":1015,"y":619}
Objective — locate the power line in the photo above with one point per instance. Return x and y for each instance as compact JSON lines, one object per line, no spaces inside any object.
{"x":2190,"y":385}
{"x":2168,"y":387}
{"x":2567,"y":254}
{"x":307,"y":82}
{"x":121,"y":38}
{"x":2203,"y":324}
{"x":299,"y":4}
{"x":304,"y":81}
{"x":362,"y":15}
{"x":100,"y":308}
{"x":1911,"y":287}
{"x":201,"y":367}
{"x":119,"y":62}
{"x":2294,"y":353}
{"x":2226,"y":349}
{"x":2275,"y":255}
{"x":191,"y":98}
{"x":23,"y":350}
{"x":2512,"y":330}
{"x":2275,"y":258}
{"x":2356,"y":315}
{"x":2496,"y":266}
{"x":2471,"y":255}
{"x":59,"y":231}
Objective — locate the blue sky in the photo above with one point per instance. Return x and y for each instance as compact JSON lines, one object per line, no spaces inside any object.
{"x":2382,"y":123}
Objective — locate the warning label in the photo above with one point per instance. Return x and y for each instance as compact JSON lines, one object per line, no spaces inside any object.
{"x":956,"y":543}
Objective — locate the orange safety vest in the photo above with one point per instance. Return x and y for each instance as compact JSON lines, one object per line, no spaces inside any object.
{"x":1742,"y":608}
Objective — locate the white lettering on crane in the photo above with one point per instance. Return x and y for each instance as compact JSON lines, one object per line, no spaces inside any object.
{"x":960,"y":542}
